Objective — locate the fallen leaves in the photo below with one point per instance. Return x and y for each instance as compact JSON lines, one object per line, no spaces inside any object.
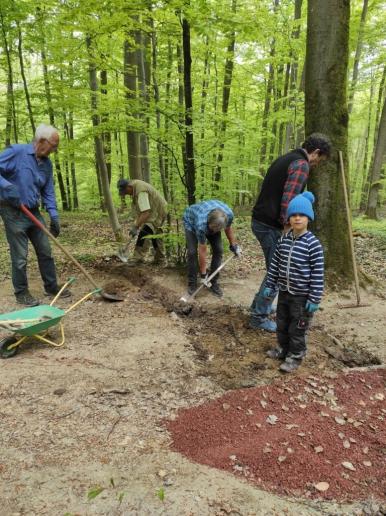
{"x":348,"y":465}
{"x":272,"y":419}
{"x":322,"y":486}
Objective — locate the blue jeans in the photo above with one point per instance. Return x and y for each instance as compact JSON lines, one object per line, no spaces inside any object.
{"x":19,"y":229}
{"x":268,"y":237}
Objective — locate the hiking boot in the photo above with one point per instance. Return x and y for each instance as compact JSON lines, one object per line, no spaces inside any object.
{"x":25,"y":298}
{"x":216,"y":290}
{"x":53,"y":292}
{"x":290,"y":365}
{"x":276,"y":353}
{"x":265,"y":324}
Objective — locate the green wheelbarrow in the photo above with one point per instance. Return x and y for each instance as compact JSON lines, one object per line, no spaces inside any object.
{"x":35,"y":322}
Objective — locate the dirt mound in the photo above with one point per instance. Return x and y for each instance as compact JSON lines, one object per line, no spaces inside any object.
{"x":230,"y":353}
{"x":309,"y":437}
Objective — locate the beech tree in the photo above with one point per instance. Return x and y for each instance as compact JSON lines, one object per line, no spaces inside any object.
{"x":326,"y":112}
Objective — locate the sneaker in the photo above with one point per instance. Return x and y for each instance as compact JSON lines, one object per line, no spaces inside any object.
{"x":216,"y":290}
{"x":265,"y":324}
{"x":25,"y":298}
{"x":52,"y":293}
{"x":290,"y":365}
{"x":276,"y":353}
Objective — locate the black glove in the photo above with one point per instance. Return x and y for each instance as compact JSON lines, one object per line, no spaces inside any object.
{"x":11,"y":196}
{"x":133,"y":231}
{"x":55,"y":227}
{"x":236,"y":249}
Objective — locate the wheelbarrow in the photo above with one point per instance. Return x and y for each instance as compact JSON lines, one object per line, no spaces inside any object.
{"x":34,"y":322}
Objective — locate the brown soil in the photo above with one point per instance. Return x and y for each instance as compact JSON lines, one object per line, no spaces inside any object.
{"x":88,"y":415}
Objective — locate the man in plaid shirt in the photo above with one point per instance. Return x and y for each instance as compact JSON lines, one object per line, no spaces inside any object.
{"x":286,"y":177}
{"x":204,"y":222}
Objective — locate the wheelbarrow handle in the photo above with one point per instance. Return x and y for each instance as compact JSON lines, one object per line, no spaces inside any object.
{"x":41,"y":226}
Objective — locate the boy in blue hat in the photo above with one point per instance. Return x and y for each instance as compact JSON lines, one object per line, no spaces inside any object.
{"x":297,"y":268}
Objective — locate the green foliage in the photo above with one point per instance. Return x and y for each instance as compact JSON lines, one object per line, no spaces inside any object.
{"x":270,"y":45}
{"x":161,"y":494}
{"x":93,"y":493}
{"x":373,"y":227}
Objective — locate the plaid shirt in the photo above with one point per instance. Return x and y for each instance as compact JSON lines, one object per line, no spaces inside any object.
{"x":195,"y":217}
{"x":298,"y":173}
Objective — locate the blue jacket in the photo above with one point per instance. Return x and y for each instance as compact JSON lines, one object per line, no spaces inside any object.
{"x":19,"y":166}
{"x":298,"y":266}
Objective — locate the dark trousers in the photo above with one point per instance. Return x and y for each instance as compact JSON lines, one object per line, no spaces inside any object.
{"x":292,"y":324}
{"x":192,"y":262}
{"x":19,"y":230}
{"x":268,"y":237}
{"x":146,"y":231}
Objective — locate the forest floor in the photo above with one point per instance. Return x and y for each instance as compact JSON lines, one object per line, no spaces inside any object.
{"x":153,"y":408}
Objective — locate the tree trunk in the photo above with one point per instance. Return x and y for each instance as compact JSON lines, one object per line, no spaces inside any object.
{"x":106,"y":135}
{"x":377,"y":162}
{"x":190,"y":170}
{"x":130,"y":83}
{"x":228,"y":72}
{"x":99,"y":145}
{"x":358,"y":52}
{"x":204,"y":94}
{"x":142,"y":57}
{"x":291,"y":139}
{"x":160,"y":148}
{"x":51,"y":115}
{"x":25,"y":85}
{"x":74,"y":186}
{"x":11,"y":111}
{"x":326,"y":112}
{"x":366,"y":164}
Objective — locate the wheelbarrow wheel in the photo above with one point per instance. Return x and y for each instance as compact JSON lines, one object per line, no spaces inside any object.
{"x":4,"y":344}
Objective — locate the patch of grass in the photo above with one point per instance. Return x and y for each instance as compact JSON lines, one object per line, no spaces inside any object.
{"x":376,"y":228}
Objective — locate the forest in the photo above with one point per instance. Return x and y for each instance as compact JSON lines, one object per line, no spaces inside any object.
{"x":198,"y":97}
{"x":133,"y":400}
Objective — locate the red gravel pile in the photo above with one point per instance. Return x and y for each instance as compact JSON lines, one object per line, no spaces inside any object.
{"x":311,"y":437}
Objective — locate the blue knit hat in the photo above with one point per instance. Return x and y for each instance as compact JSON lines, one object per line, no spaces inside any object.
{"x":302,"y":205}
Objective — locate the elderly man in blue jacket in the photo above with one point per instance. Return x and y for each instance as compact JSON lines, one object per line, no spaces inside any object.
{"x":26,"y":178}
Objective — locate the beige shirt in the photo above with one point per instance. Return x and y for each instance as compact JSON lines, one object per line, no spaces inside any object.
{"x":145,"y":197}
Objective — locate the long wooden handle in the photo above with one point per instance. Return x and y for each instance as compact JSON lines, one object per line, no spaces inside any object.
{"x":351,"y":239}
{"x":41,"y":226}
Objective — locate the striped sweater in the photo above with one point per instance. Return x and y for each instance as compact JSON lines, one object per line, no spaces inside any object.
{"x":298,"y":266}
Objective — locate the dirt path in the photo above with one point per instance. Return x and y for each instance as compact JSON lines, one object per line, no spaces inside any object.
{"x":89,"y":415}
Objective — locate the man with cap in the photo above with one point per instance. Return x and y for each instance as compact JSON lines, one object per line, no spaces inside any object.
{"x":297,"y":268}
{"x":204,"y":222}
{"x":286,"y":177}
{"x":150,"y":211}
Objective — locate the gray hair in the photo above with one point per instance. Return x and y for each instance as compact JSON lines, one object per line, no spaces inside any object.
{"x":217,"y":220}
{"x":44,"y":132}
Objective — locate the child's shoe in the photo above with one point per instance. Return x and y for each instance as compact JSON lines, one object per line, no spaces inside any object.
{"x":290,"y":364}
{"x":276,"y":353}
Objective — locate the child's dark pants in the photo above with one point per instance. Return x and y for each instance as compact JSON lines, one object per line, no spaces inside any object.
{"x":292,"y":324}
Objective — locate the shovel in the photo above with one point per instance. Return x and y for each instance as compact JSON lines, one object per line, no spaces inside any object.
{"x":109,"y":297}
{"x":122,"y":251}
{"x":187,"y":298}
